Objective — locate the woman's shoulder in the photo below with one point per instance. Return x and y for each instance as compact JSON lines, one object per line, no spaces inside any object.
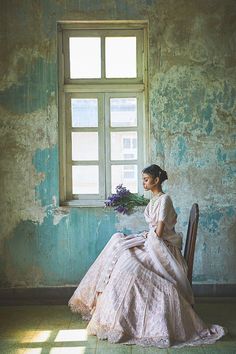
{"x":166,"y":197}
{"x":161,"y":201}
{"x":166,"y":201}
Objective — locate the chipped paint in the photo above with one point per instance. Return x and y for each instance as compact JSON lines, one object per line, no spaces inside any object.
{"x":46,"y":165}
{"x":33,"y":91}
{"x":192,"y":117}
{"x":21,"y":135}
{"x":59,"y":214}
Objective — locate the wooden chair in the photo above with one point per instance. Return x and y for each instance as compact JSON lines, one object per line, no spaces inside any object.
{"x":191,"y":239}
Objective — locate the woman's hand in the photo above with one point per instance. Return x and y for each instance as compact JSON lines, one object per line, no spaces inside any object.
{"x":159,"y":229}
{"x":145,"y":234}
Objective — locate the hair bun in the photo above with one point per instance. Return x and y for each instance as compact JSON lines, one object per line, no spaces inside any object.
{"x":163,"y":176}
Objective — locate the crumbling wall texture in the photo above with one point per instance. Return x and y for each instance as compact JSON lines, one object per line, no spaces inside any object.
{"x":192,"y":92}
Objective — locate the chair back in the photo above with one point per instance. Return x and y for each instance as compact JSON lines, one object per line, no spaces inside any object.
{"x":191,"y":239}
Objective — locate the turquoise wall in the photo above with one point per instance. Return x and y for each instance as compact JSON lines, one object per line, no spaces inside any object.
{"x":192,"y":86}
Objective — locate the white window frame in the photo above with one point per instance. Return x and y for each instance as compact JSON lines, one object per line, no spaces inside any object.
{"x":103,"y":89}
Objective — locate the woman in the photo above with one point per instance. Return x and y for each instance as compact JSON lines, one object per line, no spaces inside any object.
{"x":137,"y":291}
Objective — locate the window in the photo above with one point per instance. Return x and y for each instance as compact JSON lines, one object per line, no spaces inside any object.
{"x":102,"y":108}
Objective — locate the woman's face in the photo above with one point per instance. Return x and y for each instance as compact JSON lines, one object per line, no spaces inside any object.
{"x":148,"y":182}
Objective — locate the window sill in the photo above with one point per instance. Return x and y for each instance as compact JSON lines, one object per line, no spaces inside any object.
{"x":83,"y":203}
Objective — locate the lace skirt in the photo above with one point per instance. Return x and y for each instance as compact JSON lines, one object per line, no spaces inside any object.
{"x":132,"y":295}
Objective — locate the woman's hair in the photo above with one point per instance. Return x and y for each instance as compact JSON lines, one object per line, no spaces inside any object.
{"x":155,"y":171}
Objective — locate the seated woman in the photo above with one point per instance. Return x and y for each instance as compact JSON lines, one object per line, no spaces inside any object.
{"x":137,"y":290}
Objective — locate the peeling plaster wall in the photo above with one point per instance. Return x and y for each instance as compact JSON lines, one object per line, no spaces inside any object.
{"x":192,"y":113}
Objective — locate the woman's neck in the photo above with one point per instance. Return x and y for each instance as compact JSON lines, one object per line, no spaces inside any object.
{"x":156,"y":190}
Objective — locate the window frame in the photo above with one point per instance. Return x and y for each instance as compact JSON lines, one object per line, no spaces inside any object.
{"x":101,"y":152}
{"x":103,"y":89}
{"x":140,"y":128}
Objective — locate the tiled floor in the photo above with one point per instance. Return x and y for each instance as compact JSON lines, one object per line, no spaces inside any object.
{"x":55,"y":330}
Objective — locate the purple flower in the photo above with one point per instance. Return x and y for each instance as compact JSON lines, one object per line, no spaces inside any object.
{"x":122,"y":191}
{"x":107,"y":203}
{"x":113,"y":199}
{"x":123,"y":201}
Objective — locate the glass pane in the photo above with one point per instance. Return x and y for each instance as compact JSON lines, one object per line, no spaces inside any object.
{"x":84,"y":146}
{"x":121,"y":57}
{"x":123,"y":112}
{"x":84,"y":112}
{"x":85,"y":57}
{"x":85,"y":180}
{"x":123,"y":145}
{"x":125,"y":174}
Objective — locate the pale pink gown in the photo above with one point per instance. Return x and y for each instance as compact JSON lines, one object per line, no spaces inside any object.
{"x":137,"y":291}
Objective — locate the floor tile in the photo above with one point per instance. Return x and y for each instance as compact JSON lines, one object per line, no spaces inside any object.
{"x":7,"y":347}
{"x":186,"y":350}
{"x":223,"y":348}
{"x":55,"y":330}
{"x":77,"y":322}
{"x":136,"y":349}
{"x":72,"y":350}
{"x":76,"y":337}
{"x":113,"y":349}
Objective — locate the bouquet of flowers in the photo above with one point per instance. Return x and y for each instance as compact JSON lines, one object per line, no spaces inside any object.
{"x":124,"y":201}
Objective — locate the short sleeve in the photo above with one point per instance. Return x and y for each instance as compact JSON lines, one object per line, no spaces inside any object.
{"x":166,"y":209}
{"x":161,"y":210}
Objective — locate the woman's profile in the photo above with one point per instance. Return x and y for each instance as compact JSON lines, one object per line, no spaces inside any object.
{"x":137,"y":290}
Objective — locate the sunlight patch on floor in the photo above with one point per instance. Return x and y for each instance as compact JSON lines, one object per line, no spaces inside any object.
{"x":68,"y":350}
{"x":72,"y":335}
{"x":38,"y":337}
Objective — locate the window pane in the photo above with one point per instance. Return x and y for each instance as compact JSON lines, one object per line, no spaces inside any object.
{"x":123,"y":146}
{"x":85,"y":57}
{"x":84,"y":112}
{"x":84,"y":146}
{"x":85,"y":180}
{"x":123,"y":112}
{"x":125,"y":174}
{"x":120,"y":57}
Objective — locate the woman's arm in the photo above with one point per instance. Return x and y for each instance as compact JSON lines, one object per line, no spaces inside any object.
{"x":160,"y":228}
